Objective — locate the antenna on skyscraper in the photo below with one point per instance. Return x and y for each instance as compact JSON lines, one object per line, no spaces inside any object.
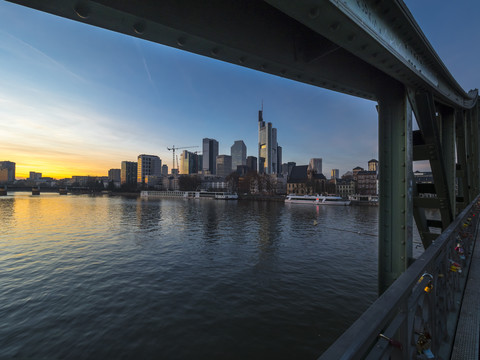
{"x":262,"y":105}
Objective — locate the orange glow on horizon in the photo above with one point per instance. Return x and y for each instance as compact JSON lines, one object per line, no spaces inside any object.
{"x":62,"y":169}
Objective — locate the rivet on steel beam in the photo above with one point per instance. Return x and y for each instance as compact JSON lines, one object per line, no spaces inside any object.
{"x":314,"y":12}
{"x":351,"y":37}
{"x":82,"y":10}
{"x":215,"y":51}
{"x":181,"y":41}
{"x":139,"y":28}
{"x":242,"y":59}
{"x":299,"y":76}
{"x":283,"y":71}
{"x":335,"y":26}
{"x":364,"y":47}
{"x":263,"y":66}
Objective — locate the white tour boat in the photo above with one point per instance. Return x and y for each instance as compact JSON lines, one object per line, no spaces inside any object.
{"x":316,"y":200}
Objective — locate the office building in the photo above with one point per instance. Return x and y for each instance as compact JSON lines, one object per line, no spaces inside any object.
{"x":251,"y":163}
{"x":279,"y":159}
{"x":7,"y":171}
{"x":165,"y":170}
{"x":189,"y":162}
{"x":128,"y":172}
{"x":148,"y":165}
{"x":315,"y":164}
{"x":224,"y":165}
{"x":287,"y":168}
{"x":114,"y":175}
{"x":238,"y":151}
{"x":210,"y":153}
{"x":335,"y":174}
{"x":34,"y":176}
{"x":267,"y":147}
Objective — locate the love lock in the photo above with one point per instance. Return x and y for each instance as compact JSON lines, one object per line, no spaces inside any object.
{"x":423,"y":345}
{"x":428,"y":289}
{"x":392,"y":342}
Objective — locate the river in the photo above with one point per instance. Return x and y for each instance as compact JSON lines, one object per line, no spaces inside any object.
{"x":97,"y":277}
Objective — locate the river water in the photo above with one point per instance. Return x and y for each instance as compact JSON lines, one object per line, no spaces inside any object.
{"x":99,"y":277}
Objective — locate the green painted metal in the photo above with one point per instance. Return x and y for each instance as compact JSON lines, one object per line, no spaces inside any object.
{"x":461,"y":160}
{"x":447,"y":124}
{"x":475,"y":152}
{"x":396,"y":183}
{"x":426,"y":115}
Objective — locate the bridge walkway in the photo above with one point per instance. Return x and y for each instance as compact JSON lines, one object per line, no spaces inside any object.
{"x":467,"y":337}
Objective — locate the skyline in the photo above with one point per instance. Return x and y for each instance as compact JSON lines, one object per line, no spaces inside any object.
{"x":78,"y":100}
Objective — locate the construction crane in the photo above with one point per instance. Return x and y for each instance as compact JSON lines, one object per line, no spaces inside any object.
{"x":173,"y":148}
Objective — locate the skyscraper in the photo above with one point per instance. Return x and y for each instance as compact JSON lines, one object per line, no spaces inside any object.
{"x":315,"y":164}
{"x":239,"y":154}
{"x":7,"y":171}
{"x":224,"y":165}
{"x":267,"y":147}
{"x":210,"y":153}
{"x":128,"y":172}
{"x":335,"y":174}
{"x":148,"y":165}
{"x":189,"y":162}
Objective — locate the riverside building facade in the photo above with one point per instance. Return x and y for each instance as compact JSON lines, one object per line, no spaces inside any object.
{"x":128,"y":172}
{"x":148,"y":165}
{"x":7,"y":171}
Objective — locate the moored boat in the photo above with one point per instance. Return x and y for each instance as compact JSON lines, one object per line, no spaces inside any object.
{"x":316,"y":200}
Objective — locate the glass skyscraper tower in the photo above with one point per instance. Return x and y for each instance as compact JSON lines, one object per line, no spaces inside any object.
{"x":210,"y":153}
{"x":268,"y":154}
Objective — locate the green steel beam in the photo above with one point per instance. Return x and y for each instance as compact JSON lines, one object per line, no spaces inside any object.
{"x":396,"y":185}
{"x":425,"y":113}
{"x":461,"y":160}
{"x":447,"y":125}
{"x":475,"y":151}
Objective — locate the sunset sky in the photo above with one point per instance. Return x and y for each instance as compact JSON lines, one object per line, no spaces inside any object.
{"x":78,"y":100}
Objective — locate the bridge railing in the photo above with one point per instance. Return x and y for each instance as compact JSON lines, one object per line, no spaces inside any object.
{"x":416,"y":317}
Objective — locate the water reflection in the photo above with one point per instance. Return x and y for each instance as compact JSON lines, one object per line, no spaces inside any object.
{"x":210,"y":220}
{"x":148,"y":214}
{"x":7,"y":211}
{"x":173,"y":278}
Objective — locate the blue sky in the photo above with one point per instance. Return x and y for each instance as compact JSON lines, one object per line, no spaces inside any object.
{"x":78,"y":100}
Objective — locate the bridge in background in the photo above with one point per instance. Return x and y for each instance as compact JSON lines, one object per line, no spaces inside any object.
{"x":371,"y":49}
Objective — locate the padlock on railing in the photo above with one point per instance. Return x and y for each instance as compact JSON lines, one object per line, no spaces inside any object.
{"x":429,"y":287}
{"x":423,"y":345}
{"x":392,"y":342}
{"x":455,"y":267}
